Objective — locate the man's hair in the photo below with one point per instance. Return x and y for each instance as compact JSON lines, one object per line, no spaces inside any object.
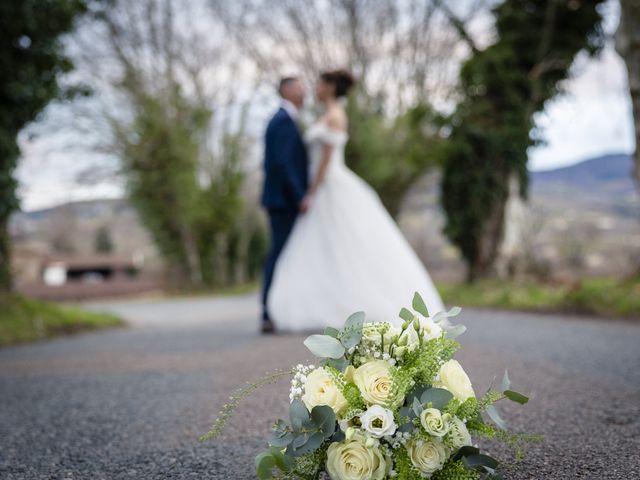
{"x":284,"y":81}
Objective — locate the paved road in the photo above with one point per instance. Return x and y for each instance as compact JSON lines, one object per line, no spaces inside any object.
{"x":130,"y":403}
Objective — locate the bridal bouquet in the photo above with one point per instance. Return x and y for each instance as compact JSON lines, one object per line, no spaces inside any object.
{"x":385,"y":402}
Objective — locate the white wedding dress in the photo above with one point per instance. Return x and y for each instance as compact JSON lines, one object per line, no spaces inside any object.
{"x":345,"y":254}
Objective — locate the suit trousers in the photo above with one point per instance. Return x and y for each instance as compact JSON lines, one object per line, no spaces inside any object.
{"x":281,"y":223}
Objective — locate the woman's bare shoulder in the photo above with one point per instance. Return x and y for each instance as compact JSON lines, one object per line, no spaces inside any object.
{"x":336,"y":118}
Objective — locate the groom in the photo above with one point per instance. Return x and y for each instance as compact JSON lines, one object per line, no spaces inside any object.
{"x":285,"y":179}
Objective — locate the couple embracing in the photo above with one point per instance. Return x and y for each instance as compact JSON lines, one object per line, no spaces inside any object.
{"x":334,"y":247}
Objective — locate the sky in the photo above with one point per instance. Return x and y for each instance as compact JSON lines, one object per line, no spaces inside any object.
{"x":590,"y":118}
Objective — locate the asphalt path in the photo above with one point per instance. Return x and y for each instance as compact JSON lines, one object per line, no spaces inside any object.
{"x":130,"y":403}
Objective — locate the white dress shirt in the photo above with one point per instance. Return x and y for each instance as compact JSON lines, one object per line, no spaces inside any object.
{"x":291,"y":109}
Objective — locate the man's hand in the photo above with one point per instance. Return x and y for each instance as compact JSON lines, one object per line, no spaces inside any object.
{"x":305,"y":204}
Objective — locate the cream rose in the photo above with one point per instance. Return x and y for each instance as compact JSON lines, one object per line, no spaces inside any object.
{"x":454,"y":379}
{"x":320,"y":389}
{"x":435,"y":422}
{"x":378,"y":421}
{"x":353,"y":460}
{"x":458,"y":434}
{"x":374,"y":381}
{"x":428,"y":456}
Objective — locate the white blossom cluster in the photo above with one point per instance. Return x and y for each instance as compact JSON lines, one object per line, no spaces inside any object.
{"x":298,"y":381}
{"x":400,"y":438}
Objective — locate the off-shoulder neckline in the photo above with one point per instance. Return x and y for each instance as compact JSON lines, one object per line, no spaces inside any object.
{"x":332,"y":129}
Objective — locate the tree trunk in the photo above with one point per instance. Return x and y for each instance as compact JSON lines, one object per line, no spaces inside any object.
{"x":628,"y":45}
{"x":511,"y":252}
{"x":192,"y":256}
{"x":488,"y":243}
{"x":5,"y":258}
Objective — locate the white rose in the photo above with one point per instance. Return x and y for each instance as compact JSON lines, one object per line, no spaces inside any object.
{"x":378,"y":421}
{"x":430,"y":329}
{"x":428,"y":456}
{"x":374,"y":381}
{"x":458,"y":434}
{"x":435,"y":422}
{"x":454,"y":379}
{"x":353,"y":460}
{"x":320,"y":389}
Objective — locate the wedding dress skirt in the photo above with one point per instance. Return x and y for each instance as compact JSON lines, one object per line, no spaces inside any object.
{"x":346,"y":254}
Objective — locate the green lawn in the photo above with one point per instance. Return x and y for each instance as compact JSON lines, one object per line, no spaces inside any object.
{"x":595,"y":296}
{"x":25,"y":320}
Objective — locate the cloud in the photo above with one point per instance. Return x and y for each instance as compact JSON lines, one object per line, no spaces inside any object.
{"x":593,"y":117}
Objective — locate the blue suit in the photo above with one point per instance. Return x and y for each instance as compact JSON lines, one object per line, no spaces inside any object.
{"x":285,"y":184}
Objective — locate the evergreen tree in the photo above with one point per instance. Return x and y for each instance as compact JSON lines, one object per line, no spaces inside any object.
{"x":502,"y":87}
{"x":628,"y":45}
{"x":103,"y":241}
{"x":31,"y":60}
{"x":392,"y":154}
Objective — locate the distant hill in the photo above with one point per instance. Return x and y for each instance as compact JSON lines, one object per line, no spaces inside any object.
{"x":606,"y":174}
{"x":603,"y":183}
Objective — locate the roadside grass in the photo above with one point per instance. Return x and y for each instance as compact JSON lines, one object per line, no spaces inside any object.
{"x":607,"y":297}
{"x":228,"y":291}
{"x":25,"y":320}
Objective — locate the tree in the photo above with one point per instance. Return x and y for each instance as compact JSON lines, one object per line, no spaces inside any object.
{"x":391,"y":154}
{"x":158,"y":71}
{"x":400,"y":52}
{"x":628,"y":45}
{"x":103,"y":241}
{"x":32,"y":59}
{"x":501,"y":88}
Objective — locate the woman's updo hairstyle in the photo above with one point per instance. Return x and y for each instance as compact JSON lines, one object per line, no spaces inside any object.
{"x":341,"y":79}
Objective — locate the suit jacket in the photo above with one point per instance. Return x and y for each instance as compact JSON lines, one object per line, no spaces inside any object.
{"x":285,"y":164}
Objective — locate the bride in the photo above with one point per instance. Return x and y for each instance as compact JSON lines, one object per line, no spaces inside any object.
{"x":345,"y":253}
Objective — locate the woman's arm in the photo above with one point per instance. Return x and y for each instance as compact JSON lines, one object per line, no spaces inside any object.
{"x":327,"y":151}
{"x":335,"y":120}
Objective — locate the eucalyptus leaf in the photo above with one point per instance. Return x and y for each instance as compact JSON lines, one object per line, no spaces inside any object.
{"x":454,"y":312}
{"x":300,"y":440}
{"x":264,"y":465}
{"x":455,"y":331}
{"x":280,"y":426}
{"x":417,"y":407}
{"x":406,"y":315}
{"x":298,"y":414}
{"x":466,"y":451}
{"x":419,"y":305}
{"x":338,"y":436}
{"x":324,"y":418}
{"x":281,"y":439}
{"x":416,"y":392}
{"x":337,"y":363}
{"x":283,"y":462}
{"x":506,"y":383}
{"x":516,"y":397}
{"x":438,"y":397}
{"x":351,"y":334}
{"x":492,"y":411}
{"x":438,"y":317}
{"x":324,"y":346}
{"x":332,"y":332}
{"x":312,"y":443}
{"x":480,"y":460}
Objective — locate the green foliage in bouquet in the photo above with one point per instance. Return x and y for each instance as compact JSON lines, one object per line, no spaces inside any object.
{"x":386,"y":402}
